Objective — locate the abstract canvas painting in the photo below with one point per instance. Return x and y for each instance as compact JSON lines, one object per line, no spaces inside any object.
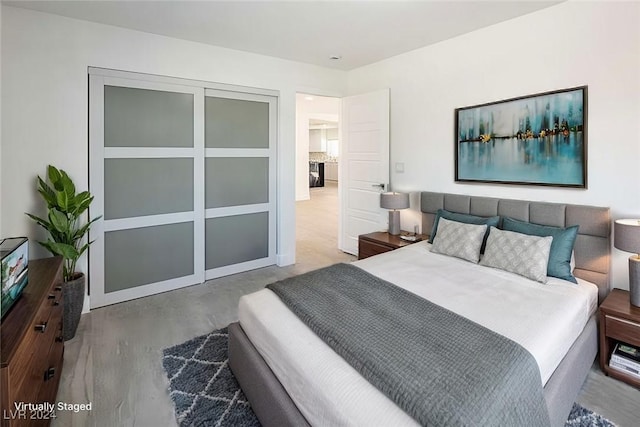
{"x":538,"y":139}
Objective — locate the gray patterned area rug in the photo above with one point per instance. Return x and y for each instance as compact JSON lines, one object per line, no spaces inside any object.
{"x":206,"y":394}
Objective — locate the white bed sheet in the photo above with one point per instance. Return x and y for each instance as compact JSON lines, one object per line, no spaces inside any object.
{"x":543,"y":318}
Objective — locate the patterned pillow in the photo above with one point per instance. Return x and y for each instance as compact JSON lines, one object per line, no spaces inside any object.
{"x":459,"y":240}
{"x":466,"y":218}
{"x":518,"y":253}
{"x":561,"y":247}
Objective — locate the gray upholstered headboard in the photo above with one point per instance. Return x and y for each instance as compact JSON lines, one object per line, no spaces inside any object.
{"x":592,"y":249}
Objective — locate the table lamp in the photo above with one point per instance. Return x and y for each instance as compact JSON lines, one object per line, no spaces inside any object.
{"x":627,"y":238}
{"x":394,"y":201}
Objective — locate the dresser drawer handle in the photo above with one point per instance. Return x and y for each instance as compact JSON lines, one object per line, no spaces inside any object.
{"x":41,"y":327}
{"x":51,"y":296}
{"x":49,"y":373}
{"x":56,"y":303}
{"x":57,"y":288}
{"x":59,"y":338}
{"x":628,"y":322}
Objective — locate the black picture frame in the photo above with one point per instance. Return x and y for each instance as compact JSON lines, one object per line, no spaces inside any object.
{"x":538,"y":139}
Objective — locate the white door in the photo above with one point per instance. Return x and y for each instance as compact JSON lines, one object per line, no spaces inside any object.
{"x":364,"y":163}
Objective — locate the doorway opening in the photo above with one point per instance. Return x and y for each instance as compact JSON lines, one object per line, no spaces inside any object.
{"x":317,"y":177}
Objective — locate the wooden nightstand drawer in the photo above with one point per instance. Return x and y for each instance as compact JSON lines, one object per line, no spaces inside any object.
{"x":623,"y":330}
{"x":380,"y":242}
{"x":367,"y":249}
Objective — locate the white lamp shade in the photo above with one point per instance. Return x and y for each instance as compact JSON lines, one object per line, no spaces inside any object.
{"x":394,"y":200}
{"x":627,"y":235}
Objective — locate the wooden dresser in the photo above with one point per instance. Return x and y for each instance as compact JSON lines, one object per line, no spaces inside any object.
{"x":32,"y":346}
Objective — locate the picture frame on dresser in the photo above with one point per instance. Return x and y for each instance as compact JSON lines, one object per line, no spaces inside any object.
{"x":538,"y":139}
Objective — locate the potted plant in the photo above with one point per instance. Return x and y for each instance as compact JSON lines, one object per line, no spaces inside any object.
{"x":66,"y":238}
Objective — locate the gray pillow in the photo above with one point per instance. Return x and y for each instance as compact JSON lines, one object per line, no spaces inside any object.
{"x":459,"y":240}
{"x":518,"y":253}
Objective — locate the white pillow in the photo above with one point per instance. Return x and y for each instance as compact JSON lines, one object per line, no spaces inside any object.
{"x":459,"y":239}
{"x":518,"y":253}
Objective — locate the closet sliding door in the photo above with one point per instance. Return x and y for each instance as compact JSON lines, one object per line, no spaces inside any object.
{"x":185,"y":184}
{"x":147,"y":187}
{"x":240,"y":173}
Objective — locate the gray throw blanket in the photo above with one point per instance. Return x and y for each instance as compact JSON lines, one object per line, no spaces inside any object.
{"x":439,"y":367}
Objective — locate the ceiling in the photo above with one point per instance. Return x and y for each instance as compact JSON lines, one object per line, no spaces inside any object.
{"x":360,"y":32}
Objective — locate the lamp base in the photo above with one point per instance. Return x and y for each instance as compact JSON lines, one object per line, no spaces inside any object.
{"x":634,"y":280}
{"x":394,"y":222}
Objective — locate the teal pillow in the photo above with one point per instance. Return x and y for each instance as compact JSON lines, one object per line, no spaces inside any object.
{"x":467,"y":219}
{"x":561,"y":248}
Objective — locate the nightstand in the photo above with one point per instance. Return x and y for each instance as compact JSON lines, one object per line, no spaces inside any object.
{"x":619,"y":322}
{"x":379,"y":242}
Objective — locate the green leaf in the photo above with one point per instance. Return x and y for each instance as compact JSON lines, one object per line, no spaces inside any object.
{"x":81,"y":203}
{"x":83,"y":195}
{"x":47,"y":193}
{"x":83,"y":230}
{"x":67,"y":184}
{"x":67,"y":251}
{"x":84,"y":247}
{"x":54,"y":177}
{"x":50,"y":246}
{"x":41,"y":222}
{"x":59,"y":221}
{"x":62,"y":199}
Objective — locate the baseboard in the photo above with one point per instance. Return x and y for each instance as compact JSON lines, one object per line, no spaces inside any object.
{"x":285,"y":259}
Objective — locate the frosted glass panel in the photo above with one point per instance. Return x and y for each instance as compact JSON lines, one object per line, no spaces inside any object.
{"x":234,"y":123}
{"x":147,"y":255}
{"x":147,"y":118}
{"x":236,"y":181}
{"x":234,"y":239}
{"x":138,"y":187}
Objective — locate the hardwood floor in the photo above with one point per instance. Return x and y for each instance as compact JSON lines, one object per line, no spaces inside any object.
{"x":114,"y":361}
{"x":613,"y":399}
{"x":317,"y":229}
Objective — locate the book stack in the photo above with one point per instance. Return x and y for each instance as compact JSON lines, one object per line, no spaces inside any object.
{"x":626,"y":358}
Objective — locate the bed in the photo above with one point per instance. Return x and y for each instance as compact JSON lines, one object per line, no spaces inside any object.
{"x":309,"y":370}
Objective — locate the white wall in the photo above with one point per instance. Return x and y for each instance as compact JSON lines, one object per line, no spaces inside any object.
{"x":319,"y":107}
{"x":44,"y":101}
{"x":571,"y":44}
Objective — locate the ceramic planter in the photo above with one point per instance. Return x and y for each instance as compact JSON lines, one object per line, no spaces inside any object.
{"x":73,"y":297}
